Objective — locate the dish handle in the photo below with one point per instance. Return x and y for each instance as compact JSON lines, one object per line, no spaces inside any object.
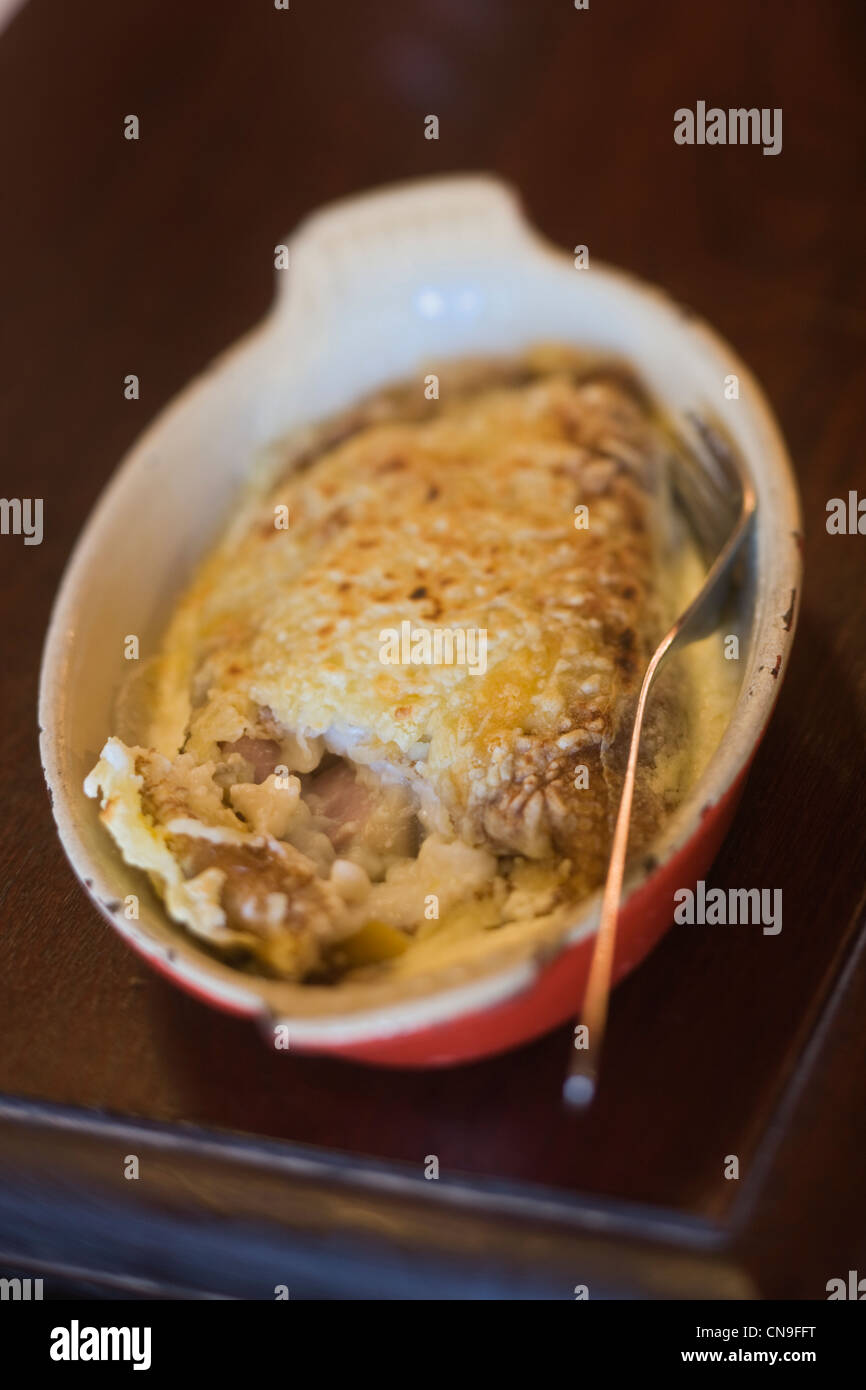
{"x":337,"y":251}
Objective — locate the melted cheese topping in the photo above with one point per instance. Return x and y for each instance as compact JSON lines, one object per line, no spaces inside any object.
{"x":465,"y":524}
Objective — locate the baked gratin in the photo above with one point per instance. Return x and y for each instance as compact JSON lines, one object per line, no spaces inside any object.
{"x":395,"y":701}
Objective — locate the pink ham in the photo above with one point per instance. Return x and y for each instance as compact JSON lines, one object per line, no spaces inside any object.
{"x":337,"y":795}
{"x":263,"y":753}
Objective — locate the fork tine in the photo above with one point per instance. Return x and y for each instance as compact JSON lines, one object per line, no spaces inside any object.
{"x":711,"y":492}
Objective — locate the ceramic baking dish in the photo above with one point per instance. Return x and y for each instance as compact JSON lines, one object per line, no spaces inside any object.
{"x":376,"y":287}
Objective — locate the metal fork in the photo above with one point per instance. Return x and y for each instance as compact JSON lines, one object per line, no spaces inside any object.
{"x":715,"y":490}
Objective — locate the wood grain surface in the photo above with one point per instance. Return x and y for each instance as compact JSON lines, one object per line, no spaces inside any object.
{"x":150,"y":257}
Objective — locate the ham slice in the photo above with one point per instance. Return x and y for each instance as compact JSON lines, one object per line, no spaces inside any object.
{"x":342,"y":800}
{"x":263,"y":753}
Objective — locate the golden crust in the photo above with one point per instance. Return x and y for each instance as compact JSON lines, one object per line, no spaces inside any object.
{"x":466,"y":521}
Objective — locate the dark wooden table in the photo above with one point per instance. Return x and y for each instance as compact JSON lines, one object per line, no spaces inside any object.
{"x":150,"y":257}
